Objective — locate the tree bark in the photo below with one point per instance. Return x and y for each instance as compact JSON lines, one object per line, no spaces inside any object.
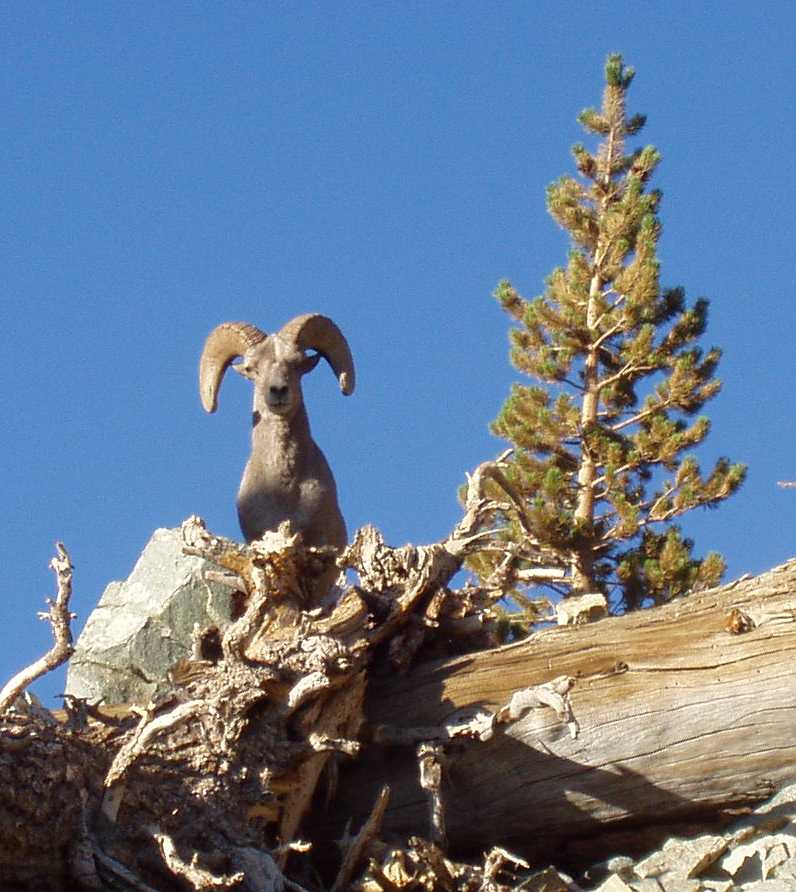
{"x":684,"y":711}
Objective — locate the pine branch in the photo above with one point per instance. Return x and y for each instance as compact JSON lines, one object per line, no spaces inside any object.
{"x":607,"y":334}
{"x":640,"y":416}
{"x":626,"y":371}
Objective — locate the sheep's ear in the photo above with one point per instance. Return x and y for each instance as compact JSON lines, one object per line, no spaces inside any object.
{"x":309,"y":363}
{"x":245,"y":370}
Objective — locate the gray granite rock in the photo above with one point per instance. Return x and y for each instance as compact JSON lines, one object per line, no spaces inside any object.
{"x":143,"y":625}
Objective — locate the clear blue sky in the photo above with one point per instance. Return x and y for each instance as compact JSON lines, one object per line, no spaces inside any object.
{"x":169,"y":166}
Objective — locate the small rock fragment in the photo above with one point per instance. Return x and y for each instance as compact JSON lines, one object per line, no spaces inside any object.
{"x":685,"y":858}
{"x":621,"y":865}
{"x":614,"y":883}
{"x":776,"y":855}
{"x":549,"y":880}
{"x":770,"y":851}
{"x":769,"y":886}
{"x":673,"y":882}
{"x":786,"y":870}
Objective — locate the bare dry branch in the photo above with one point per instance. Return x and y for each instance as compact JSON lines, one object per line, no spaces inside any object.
{"x":356,"y":847}
{"x":59,"y":618}
{"x":199,"y":878}
{"x":147,"y":729}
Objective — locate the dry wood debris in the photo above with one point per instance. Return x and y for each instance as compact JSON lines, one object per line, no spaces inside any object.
{"x":205,"y":787}
{"x":423,"y":867}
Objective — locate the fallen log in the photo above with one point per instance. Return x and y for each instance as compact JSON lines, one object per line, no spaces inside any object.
{"x":684,"y":712}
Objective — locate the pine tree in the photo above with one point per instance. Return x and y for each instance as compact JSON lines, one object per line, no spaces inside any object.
{"x":602,"y":443}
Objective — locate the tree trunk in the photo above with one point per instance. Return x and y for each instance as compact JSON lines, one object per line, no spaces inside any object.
{"x":684,"y":711}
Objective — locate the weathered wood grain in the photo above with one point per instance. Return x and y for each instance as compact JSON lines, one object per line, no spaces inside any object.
{"x":678,"y":717}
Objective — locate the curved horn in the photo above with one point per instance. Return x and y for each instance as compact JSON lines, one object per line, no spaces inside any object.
{"x":316,"y":332}
{"x":223,"y":344}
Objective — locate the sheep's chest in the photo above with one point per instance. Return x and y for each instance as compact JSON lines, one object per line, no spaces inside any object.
{"x":276,"y":489}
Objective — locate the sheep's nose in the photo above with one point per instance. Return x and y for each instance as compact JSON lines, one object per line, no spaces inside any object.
{"x":278,"y":392}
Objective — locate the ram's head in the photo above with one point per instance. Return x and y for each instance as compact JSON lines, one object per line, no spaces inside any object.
{"x":274,"y":363}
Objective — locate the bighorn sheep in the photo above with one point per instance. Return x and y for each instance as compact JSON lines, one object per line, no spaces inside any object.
{"x":287,"y":476}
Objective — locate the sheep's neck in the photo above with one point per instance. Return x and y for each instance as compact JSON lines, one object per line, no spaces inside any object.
{"x":281,"y":445}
